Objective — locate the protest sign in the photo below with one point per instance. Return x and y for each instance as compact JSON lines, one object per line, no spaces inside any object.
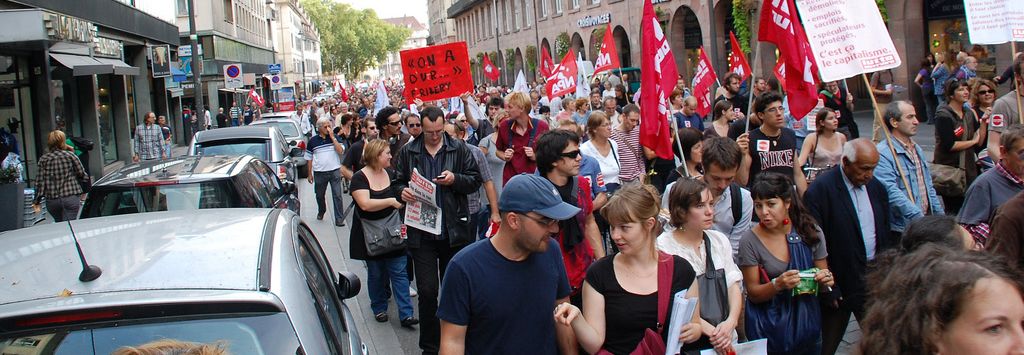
{"x":847,"y":37}
{"x":422,"y":212}
{"x":436,"y":72}
{"x":994,"y":21}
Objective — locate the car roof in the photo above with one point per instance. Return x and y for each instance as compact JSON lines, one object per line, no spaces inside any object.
{"x":183,"y":169}
{"x":276,"y":114}
{"x":216,"y":249}
{"x":234,"y":133}
{"x":273,"y":119}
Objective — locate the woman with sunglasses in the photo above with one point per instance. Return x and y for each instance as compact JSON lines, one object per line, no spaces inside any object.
{"x":958,"y":137}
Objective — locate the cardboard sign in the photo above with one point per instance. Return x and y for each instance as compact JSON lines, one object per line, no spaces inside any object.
{"x":436,"y":72}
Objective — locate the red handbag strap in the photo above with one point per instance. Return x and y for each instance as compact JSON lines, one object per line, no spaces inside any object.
{"x":666,"y":267}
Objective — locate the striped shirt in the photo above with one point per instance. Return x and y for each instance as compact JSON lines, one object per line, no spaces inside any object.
{"x":631,"y":154}
{"x":59,"y":171}
{"x":320,"y":151}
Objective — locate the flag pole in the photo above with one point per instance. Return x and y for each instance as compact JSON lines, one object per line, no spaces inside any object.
{"x":679,"y":143}
{"x":888,"y":137}
{"x":1013,"y":53}
{"x":750,"y":88}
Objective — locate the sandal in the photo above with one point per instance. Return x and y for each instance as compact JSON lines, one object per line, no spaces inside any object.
{"x":381,"y":317}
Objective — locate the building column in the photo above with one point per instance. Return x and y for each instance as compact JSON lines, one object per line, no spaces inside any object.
{"x":136,"y":56}
{"x":213,"y":101}
{"x":85,"y":102}
{"x":123,"y":128}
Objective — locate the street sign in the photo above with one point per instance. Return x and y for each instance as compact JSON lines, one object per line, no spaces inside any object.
{"x":233,"y":76}
{"x":274,"y":68}
{"x":186,"y":50}
{"x":275,"y":82}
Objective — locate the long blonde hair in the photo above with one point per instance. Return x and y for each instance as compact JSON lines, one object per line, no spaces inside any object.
{"x":56,"y":140}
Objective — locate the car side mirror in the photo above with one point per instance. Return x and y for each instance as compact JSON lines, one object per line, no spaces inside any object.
{"x":295,"y":152}
{"x":288,"y":187}
{"x":348,"y":285}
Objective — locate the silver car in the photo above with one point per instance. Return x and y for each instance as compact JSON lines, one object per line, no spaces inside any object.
{"x":255,"y":281}
{"x":265,"y":143}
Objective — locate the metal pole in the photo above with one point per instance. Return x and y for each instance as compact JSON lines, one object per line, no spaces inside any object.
{"x":497,"y":35}
{"x":302,"y":52}
{"x":197,"y":60}
{"x":536,"y":37}
{"x":714,"y":40}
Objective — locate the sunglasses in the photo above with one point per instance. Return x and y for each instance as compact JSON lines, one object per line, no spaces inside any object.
{"x":395,"y":123}
{"x":414,"y":125}
{"x":571,"y":155}
{"x":986,"y":92}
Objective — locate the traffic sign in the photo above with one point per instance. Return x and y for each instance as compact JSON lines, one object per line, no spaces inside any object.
{"x":274,"y":68}
{"x":233,"y":78}
{"x":275,"y":81}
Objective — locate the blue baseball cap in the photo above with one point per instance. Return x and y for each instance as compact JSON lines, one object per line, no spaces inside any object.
{"x":527,"y":192}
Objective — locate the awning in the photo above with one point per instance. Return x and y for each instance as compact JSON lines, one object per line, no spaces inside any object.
{"x":82,"y":65}
{"x":120,"y":67}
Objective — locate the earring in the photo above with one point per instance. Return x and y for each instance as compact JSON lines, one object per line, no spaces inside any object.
{"x":785,"y":222}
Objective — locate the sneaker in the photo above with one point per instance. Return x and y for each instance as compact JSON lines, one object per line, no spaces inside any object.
{"x":412,"y":291}
{"x":382,"y":317}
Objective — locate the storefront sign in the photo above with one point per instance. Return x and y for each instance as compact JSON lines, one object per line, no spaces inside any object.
{"x":66,"y":28}
{"x":186,"y":50}
{"x":106,"y":47}
{"x":590,"y":21}
{"x":848,"y":38}
{"x":943,"y":9}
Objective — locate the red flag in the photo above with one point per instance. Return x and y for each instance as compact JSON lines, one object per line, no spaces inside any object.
{"x":344,"y":94}
{"x":547,"y":66}
{"x":780,"y":73}
{"x":738,"y":63}
{"x":703,"y":77}
{"x":563,"y":80}
{"x":658,"y":75}
{"x":779,"y":25}
{"x":608,"y":57}
{"x":256,"y":98}
{"x":490,"y":70}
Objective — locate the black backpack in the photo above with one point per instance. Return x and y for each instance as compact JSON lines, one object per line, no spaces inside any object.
{"x":737,"y":203}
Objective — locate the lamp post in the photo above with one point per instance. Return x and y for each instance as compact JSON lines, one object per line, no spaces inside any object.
{"x":197,"y":61}
{"x":302,"y":53}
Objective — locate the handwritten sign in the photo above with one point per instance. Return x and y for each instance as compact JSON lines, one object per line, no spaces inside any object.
{"x":436,"y":72}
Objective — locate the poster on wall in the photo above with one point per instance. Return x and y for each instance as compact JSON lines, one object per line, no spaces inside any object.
{"x":160,"y":57}
{"x":286,"y":99}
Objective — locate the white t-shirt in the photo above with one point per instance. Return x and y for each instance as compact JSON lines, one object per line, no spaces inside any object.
{"x":609,"y":163}
{"x":721,"y":254}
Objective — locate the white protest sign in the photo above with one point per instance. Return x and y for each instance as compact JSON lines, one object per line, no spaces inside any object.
{"x":848,"y":37}
{"x":995,"y":21}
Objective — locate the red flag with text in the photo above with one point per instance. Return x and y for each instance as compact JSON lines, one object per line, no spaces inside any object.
{"x":780,"y":26}
{"x":607,"y":57}
{"x":703,"y":77}
{"x":256,"y":98}
{"x":547,"y":66}
{"x":658,"y":76}
{"x":563,"y":80}
{"x":738,"y":62}
{"x":780,"y":73}
{"x":490,"y":70}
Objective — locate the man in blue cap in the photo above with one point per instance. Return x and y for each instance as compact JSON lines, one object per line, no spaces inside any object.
{"x":498,"y":294}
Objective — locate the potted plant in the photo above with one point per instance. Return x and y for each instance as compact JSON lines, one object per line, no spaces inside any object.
{"x":12,"y":192}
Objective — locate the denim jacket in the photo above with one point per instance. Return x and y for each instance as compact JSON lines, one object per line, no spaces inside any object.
{"x":902,"y":211}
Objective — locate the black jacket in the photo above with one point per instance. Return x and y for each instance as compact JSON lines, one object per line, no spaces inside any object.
{"x":830,"y":203}
{"x":455,"y":204}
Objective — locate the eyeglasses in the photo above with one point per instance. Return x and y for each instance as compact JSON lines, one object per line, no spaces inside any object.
{"x":373,"y":128}
{"x":986,"y":92}
{"x":544,"y":221}
{"x":395,"y":123}
{"x":571,"y":155}
{"x":775,"y":109}
{"x":414,"y":125}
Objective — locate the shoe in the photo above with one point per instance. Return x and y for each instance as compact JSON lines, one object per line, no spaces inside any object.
{"x":412,"y":291}
{"x":319,"y":216}
{"x":409,"y":322}
{"x":383,"y":317}
{"x":339,"y":223}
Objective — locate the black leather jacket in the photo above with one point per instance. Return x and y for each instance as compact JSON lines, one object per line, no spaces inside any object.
{"x":455,"y":204}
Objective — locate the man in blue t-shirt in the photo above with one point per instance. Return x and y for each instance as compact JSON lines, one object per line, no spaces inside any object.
{"x":498,"y":295}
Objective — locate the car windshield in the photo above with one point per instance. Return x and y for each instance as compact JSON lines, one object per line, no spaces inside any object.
{"x":287,"y":128}
{"x":256,"y":147}
{"x":109,"y":201}
{"x":238,"y":334}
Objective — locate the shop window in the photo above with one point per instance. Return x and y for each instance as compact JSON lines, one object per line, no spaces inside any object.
{"x":108,"y":136}
{"x":182,"y":7}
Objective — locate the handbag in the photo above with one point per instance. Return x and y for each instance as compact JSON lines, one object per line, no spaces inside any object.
{"x":790,"y":323}
{"x":714,"y":294}
{"x":652,"y":343}
{"x":951,"y":181}
{"x":383,"y":235}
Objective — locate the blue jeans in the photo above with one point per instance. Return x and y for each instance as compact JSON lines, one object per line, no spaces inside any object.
{"x":482,"y":221}
{"x":321,"y":179}
{"x":381,"y":272}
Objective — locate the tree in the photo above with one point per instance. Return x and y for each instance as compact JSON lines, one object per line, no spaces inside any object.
{"x":355,"y":39}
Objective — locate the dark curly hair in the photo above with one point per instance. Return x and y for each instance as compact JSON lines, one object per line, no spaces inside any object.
{"x":914,"y":299}
{"x":768,"y":185}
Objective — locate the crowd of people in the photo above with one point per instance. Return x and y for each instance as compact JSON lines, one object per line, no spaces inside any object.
{"x":560,"y":227}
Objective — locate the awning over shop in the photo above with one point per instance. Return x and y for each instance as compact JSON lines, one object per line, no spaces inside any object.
{"x":120,"y":67}
{"x":82,"y":65}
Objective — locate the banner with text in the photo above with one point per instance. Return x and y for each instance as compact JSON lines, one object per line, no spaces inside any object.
{"x":436,"y":72}
{"x":848,"y":37}
{"x":995,"y":21}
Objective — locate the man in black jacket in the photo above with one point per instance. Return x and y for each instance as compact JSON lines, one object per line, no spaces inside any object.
{"x":449,"y":163}
{"x":852,"y":209}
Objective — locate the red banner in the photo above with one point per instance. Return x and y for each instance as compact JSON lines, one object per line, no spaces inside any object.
{"x":658,"y":75}
{"x":436,"y":72}
{"x":738,"y":63}
{"x":491,"y":71}
{"x":780,"y":73}
{"x":563,"y":80}
{"x":608,"y":57}
{"x":546,"y":64}
{"x":780,"y":26}
{"x":703,"y":77}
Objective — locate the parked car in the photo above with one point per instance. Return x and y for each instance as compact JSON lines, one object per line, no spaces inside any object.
{"x":290,"y":129}
{"x":190,"y":183}
{"x":262,"y":142}
{"x":255,"y":281}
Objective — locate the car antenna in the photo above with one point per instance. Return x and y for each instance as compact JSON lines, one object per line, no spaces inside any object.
{"x":89,"y":272}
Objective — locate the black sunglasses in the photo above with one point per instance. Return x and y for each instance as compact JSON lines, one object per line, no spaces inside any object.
{"x":571,"y":155}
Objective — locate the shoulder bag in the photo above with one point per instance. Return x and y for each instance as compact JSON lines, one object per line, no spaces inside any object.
{"x":714,"y":293}
{"x":652,"y":343}
{"x":951,"y":181}
{"x":792,"y":324}
{"x":384,"y":235}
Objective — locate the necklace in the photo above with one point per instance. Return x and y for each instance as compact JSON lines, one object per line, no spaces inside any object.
{"x":774,"y":139}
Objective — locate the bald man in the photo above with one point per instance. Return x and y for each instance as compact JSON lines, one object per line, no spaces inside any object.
{"x":852,"y":209}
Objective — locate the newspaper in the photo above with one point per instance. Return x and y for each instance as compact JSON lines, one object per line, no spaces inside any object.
{"x":422,"y":212}
{"x":682,"y":313}
{"x":753,"y":347}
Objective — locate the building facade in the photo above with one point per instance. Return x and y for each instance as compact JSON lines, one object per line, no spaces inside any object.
{"x":82,"y":65}
{"x":391,"y":67}
{"x":442,"y":28}
{"x":297,"y":46}
{"x":516,"y":30}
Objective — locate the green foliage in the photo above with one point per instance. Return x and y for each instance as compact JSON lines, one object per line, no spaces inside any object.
{"x":355,"y":39}
{"x":510,"y":58}
{"x":561,"y":46}
{"x":741,"y":23}
{"x":883,"y":10}
{"x":599,"y":35}
{"x":8,"y":175}
{"x":531,"y":58}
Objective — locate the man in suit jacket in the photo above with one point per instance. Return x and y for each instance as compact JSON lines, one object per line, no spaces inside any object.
{"x":852,"y":209}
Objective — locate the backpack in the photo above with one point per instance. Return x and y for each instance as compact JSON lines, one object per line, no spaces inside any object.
{"x":533,"y":132}
{"x":737,"y":203}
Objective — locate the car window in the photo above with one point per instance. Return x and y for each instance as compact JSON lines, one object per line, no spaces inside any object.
{"x":252,"y":191}
{"x":109,"y":201}
{"x":257,"y":147}
{"x":317,"y":272}
{"x":268,"y":179}
{"x":264,"y":333}
{"x":287,"y":128}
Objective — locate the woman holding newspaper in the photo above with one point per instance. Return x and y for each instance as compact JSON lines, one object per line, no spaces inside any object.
{"x":626,"y":295}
